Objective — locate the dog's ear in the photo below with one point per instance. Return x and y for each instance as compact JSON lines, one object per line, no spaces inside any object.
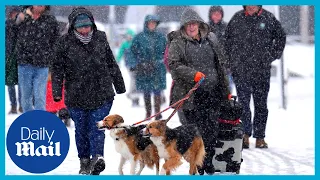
{"x":142,"y":126}
{"x":118,"y":119}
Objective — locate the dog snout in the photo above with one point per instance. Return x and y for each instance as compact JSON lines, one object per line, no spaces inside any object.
{"x":99,"y":124}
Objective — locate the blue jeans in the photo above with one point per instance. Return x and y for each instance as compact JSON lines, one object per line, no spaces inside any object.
{"x":33,"y":84}
{"x":89,"y":140}
{"x":13,"y":95}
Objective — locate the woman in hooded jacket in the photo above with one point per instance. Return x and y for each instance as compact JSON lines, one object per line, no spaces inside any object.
{"x":85,"y":64}
{"x":194,"y":53}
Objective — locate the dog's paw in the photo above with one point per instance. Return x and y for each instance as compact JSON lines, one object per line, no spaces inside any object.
{"x":163,"y":171}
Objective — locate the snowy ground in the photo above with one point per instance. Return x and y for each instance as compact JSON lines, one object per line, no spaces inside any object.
{"x":290,"y":133}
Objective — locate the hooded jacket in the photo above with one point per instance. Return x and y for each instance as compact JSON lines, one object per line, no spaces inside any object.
{"x":90,"y":70}
{"x":148,"y":51}
{"x":188,"y":56}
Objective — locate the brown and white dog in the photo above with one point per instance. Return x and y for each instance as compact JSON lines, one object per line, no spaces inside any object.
{"x":173,"y":144}
{"x":130,"y":143}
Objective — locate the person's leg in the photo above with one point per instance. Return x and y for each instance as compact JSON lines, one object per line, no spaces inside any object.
{"x":147,"y":103}
{"x":25,"y":78}
{"x":13,"y":99}
{"x":19,"y":99}
{"x":40,"y":88}
{"x":97,"y":137}
{"x":133,"y":94}
{"x":244,"y":90}
{"x":204,"y":116}
{"x":81,"y":122}
{"x":260,"y":97}
{"x":244,"y":96}
{"x":157,"y":104}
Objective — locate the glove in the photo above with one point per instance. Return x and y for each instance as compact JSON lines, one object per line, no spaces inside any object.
{"x":198,"y":76}
{"x":57,"y":99}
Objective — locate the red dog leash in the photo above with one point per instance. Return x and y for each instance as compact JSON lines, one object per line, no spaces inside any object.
{"x":178,"y":104}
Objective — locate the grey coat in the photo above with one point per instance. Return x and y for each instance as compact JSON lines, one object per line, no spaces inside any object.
{"x":187,"y":56}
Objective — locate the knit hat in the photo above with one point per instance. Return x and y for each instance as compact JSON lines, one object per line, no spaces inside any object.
{"x":82,"y":20}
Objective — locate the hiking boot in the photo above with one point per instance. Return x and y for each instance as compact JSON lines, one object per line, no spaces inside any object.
{"x":135,"y":102}
{"x":13,"y":110}
{"x":20,"y":110}
{"x":84,"y":166}
{"x":97,"y":165}
{"x":158,"y":117}
{"x":245,"y":144}
{"x":260,"y":143}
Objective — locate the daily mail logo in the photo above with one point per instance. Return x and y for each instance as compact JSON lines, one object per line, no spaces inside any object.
{"x":28,"y":148}
{"x":38,"y":137}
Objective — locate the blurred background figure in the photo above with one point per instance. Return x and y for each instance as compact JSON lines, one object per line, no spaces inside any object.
{"x":148,"y":50}
{"x":126,"y":54}
{"x":11,"y":72}
{"x":218,"y":27}
{"x":36,"y":36}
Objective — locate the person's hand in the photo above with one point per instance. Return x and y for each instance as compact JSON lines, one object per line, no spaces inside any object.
{"x":199,"y":75}
{"x":57,"y":99}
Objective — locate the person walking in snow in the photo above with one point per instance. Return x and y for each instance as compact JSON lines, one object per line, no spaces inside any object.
{"x":11,"y":71}
{"x":194,"y":53}
{"x":218,"y":27}
{"x":125,"y":52}
{"x":254,"y":39}
{"x":37,"y":33}
{"x":148,"y":51}
{"x":85,"y":64}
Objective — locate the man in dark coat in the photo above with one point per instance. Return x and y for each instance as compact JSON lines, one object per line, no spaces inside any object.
{"x":194,"y":53}
{"x":254,"y":39}
{"x":84,"y":60}
{"x":11,"y":62}
{"x":38,"y":31}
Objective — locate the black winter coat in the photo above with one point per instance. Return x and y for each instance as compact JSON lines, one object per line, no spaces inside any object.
{"x":89,"y":70}
{"x":35,"y":40}
{"x":253,"y":42}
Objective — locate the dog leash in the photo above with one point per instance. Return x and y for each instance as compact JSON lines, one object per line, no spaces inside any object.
{"x":178,"y":104}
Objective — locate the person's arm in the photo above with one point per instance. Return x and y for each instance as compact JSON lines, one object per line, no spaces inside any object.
{"x":279,"y":37}
{"x":115,"y":72}
{"x":58,"y":70}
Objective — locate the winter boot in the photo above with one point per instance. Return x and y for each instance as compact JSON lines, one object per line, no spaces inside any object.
{"x":163,"y":98}
{"x":147,"y":102}
{"x":135,"y":102}
{"x":13,"y":110}
{"x":260,"y":143}
{"x":84,"y":166}
{"x":245,"y":144}
{"x":157,"y":104}
{"x":20,"y":110}
{"x":97,"y":165}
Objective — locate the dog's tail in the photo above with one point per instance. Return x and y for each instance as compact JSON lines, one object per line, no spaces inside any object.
{"x":201,"y":153}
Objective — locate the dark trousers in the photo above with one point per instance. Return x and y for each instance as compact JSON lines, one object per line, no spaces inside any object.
{"x":204,"y":116}
{"x":257,"y":85}
{"x":89,"y":140}
{"x":13,"y":95}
